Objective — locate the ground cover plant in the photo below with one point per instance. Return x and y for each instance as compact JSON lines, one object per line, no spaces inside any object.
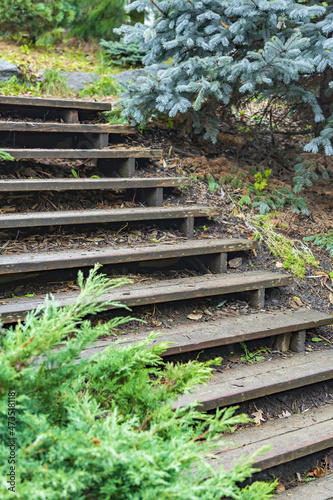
{"x":103,"y":427}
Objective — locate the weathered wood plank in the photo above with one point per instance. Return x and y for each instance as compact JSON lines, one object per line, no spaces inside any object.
{"x":31,"y":262}
{"x":319,"y":489}
{"x":159,"y":292}
{"x":76,"y":128}
{"x":253,"y":381}
{"x":102,"y":183}
{"x":195,"y":337}
{"x":289,"y":438}
{"x":38,"y":219}
{"x":84,"y":153}
{"x":54,"y":103}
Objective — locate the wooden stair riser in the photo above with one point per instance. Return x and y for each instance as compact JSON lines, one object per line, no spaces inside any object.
{"x":289,"y":439}
{"x":168,"y":291}
{"x":227,"y":332}
{"x":83,"y":154}
{"x":17,"y":102}
{"x":183,"y":217}
{"x":258,"y":380}
{"x":213,"y":254}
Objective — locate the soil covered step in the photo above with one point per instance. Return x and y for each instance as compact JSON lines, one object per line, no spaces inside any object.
{"x":319,"y":489}
{"x":194,"y":337}
{"x":184,"y":215}
{"x":244,"y":383}
{"x":53,"y":103}
{"x":71,"y":128}
{"x":84,"y":153}
{"x":46,"y":261}
{"x":163,"y":291}
{"x":289,"y":438}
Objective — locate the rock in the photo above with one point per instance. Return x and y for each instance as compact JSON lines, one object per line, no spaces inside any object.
{"x":79,"y":80}
{"x":234,"y":263}
{"x":8,"y":70}
{"x":131,"y":74}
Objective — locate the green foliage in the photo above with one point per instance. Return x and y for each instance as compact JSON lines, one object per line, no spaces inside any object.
{"x":121,"y":54}
{"x":295,"y":255}
{"x":262,"y":179}
{"x":5,"y":156}
{"x":103,"y":427}
{"x":324,"y":240}
{"x":54,"y":84}
{"x":307,"y":172}
{"x":114,"y":116}
{"x":253,"y":357}
{"x":98,"y":19}
{"x":43,"y":22}
{"x":105,"y":86}
{"x":226,"y":52}
{"x":212,"y":184}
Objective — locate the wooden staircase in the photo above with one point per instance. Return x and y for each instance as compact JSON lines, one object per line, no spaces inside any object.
{"x":69,"y":137}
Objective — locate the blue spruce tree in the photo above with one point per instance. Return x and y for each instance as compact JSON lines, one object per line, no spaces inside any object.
{"x":221,"y":51}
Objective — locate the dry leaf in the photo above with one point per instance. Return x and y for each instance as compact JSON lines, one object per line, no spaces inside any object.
{"x":280,"y":488}
{"x":279,"y":264}
{"x":285,"y":414}
{"x":258,"y":417}
{"x":195,"y":317}
{"x":317,"y":472}
{"x":298,"y":301}
{"x":330,"y":297}
{"x":234,"y":263}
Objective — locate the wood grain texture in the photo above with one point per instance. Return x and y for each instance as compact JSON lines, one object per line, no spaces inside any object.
{"x":80,"y":128}
{"x":81,"y":184}
{"x":158,"y":292}
{"x":38,"y":219}
{"x":290,"y":438}
{"x":54,"y":103}
{"x":195,"y":337}
{"x":261,"y":379}
{"x":84,"y":153}
{"x":31,"y":262}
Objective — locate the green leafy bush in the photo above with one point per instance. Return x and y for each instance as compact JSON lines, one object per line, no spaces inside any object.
{"x":103,"y":427}
{"x":98,"y":19}
{"x":5,"y":156}
{"x":324,"y":240}
{"x":307,"y":171}
{"x":121,"y":54}
{"x":38,"y":20}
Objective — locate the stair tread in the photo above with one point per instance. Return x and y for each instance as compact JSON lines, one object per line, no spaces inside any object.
{"x":243,"y":383}
{"x":159,"y":291}
{"x":31,"y":219}
{"x":289,"y":438}
{"x":319,"y":489}
{"x":83,"y":128}
{"x":55,"y":103}
{"x":193,"y":337}
{"x":36,"y":261}
{"x":87,"y":183}
{"x":84,"y":153}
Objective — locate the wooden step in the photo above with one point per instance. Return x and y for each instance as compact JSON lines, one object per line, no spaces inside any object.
{"x":53,"y":103}
{"x":84,"y":153}
{"x":68,"y":128}
{"x":317,"y":489}
{"x":243,"y":383}
{"x":184,"y":215}
{"x":289,"y":438}
{"x":32,"y":262}
{"x":164,"y":291}
{"x":195,"y":337}
{"x":149,"y":190}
